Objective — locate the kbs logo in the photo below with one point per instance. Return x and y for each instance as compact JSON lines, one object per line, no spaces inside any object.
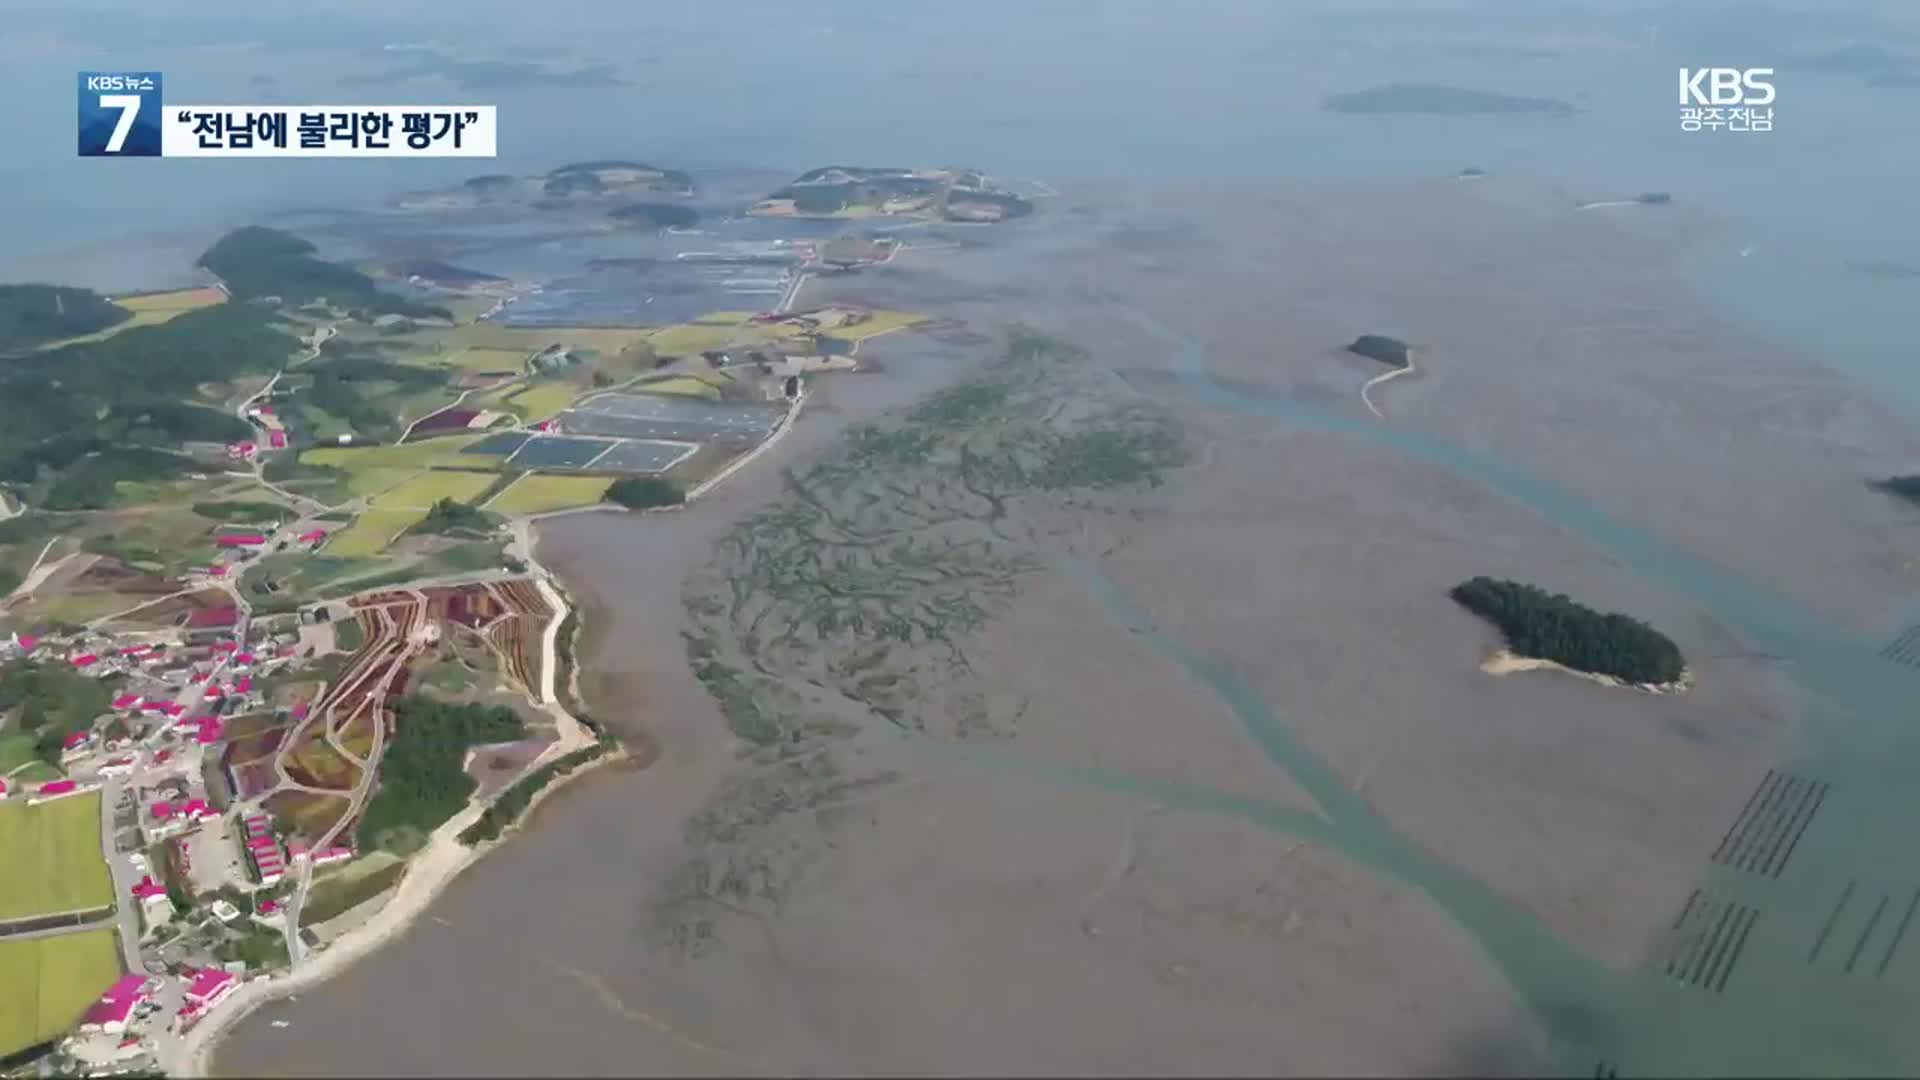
{"x":119,"y":114}
{"x":1726,"y":99}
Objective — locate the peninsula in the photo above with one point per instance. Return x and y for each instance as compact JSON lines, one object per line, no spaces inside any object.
{"x":277,"y":657}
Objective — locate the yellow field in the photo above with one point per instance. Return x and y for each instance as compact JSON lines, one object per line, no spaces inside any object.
{"x":415,"y":455}
{"x":47,"y":984}
{"x":427,"y":488}
{"x":483,"y":359}
{"x":878,"y":322}
{"x":537,"y":493}
{"x":371,"y":532}
{"x":682,"y":386}
{"x":540,"y":400}
{"x":173,"y":302}
{"x":51,"y":853}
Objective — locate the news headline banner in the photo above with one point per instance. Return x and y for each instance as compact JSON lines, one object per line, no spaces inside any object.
{"x":124,"y":114}
{"x":328,"y":131}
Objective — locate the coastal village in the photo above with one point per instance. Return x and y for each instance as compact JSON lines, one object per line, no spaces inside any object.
{"x":258,"y":704}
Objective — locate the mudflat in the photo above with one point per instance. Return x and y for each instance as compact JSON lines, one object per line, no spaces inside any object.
{"x":1085,"y":695}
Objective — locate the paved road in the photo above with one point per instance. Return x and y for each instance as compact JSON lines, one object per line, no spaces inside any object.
{"x":120,"y":869}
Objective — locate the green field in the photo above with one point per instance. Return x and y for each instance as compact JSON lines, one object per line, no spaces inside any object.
{"x":537,"y":494}
{"x":51,"y":853}
{"x":371,"y":532}
{"x":414,"y":455}
{"x":46,"y":984}
{"x":16,"y":749}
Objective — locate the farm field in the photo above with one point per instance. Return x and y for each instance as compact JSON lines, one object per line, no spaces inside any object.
{"x":47,"y":983}
{"x":877,"y":323}
{"x":372,"y":531}
{"x":425,"y":489}
{"x":606,"y":340}
{"x":538,"y":400}
{"x":413,"y":455}
{"x":537,"y":494}
{"x":51,"y":853}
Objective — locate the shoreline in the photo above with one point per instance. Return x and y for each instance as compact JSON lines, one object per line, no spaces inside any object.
{"x":1505,"y":662}
{"x":429,"y":871}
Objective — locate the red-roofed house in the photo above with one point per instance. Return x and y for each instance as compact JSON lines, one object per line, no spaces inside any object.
{"x":300,"y":711}
{"x":111,"y":1011}
{"x":242,"y":659}
{"x":197,"y":677}
{"x":76,"y":741}
{"x":243,"y":684}
{"x":217,"y":571}
{"x":313,"y":536}
{"x":161,"y":757}
{"x":127,"y":701}
{"x":210,"y":731}
{"x":207,"y":988}
{"x":214,"y":693}
{"x":85,"y":660}
{"x":237,"y":540}
{"x":163,"y":810}
{"x":56,"y":789}
{"x":226,"y":646}
{"x":155,"y":905}
{"x":241,"y":450}
{"x":136,"y":650}
{"x":333,"y":854}
{"x":277,"y":439}
{"x":120,"y":766}
{"x":28,"y":642}
{"x":174,"y":708}
{"x":3,"y":789}
{"x":197,"y":810}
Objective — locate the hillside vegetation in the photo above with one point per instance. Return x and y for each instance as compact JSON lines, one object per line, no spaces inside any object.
{"x":1550,"y":626}
{"x":32,"y":315}
{"x":256,"y":262}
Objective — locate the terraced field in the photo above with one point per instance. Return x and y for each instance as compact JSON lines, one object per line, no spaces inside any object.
{"x":424,"y":489}
{"x":372,"y":532}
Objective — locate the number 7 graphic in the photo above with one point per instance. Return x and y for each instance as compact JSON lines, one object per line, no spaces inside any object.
{"x":129,"y":106}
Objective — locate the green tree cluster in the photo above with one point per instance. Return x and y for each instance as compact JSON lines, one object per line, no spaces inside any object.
{"x":422,"y":781}
{"x":1551,"y":626}
{"x":256,"y":262}
{"x":451,"y":515}
{"x":645,"y":492}
{"x":54,"y":701}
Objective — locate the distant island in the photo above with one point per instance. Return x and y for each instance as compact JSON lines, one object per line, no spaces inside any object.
{"x":568,"y":185}
{"x":1387,"y":350}
{"x":1542,"y":628}
{"x":1471,"y":171}
{"x":1906,"y":486}
{"x":853,"y":191}
{"x":1433,"y":100}
{"x":1888,"y":269}
{"x":1653,"y":198}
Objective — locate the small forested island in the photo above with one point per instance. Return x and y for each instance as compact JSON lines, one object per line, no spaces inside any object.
{"x":1431,"y":100}
{"x":1906,"y":486}
{"x":581,"y":182}
{"x":860,"y":191}
{"x":1541,"y":626}
{"x":1653,"y":198}
{"x":1387,"y":350}
{"x":33,"y":315}
{"x":1472,"y":171}
{"x":656,"y":215}
{"x":256,"y":262}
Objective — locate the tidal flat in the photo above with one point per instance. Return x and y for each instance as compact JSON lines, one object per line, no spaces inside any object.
{"x":1079,"y":693}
